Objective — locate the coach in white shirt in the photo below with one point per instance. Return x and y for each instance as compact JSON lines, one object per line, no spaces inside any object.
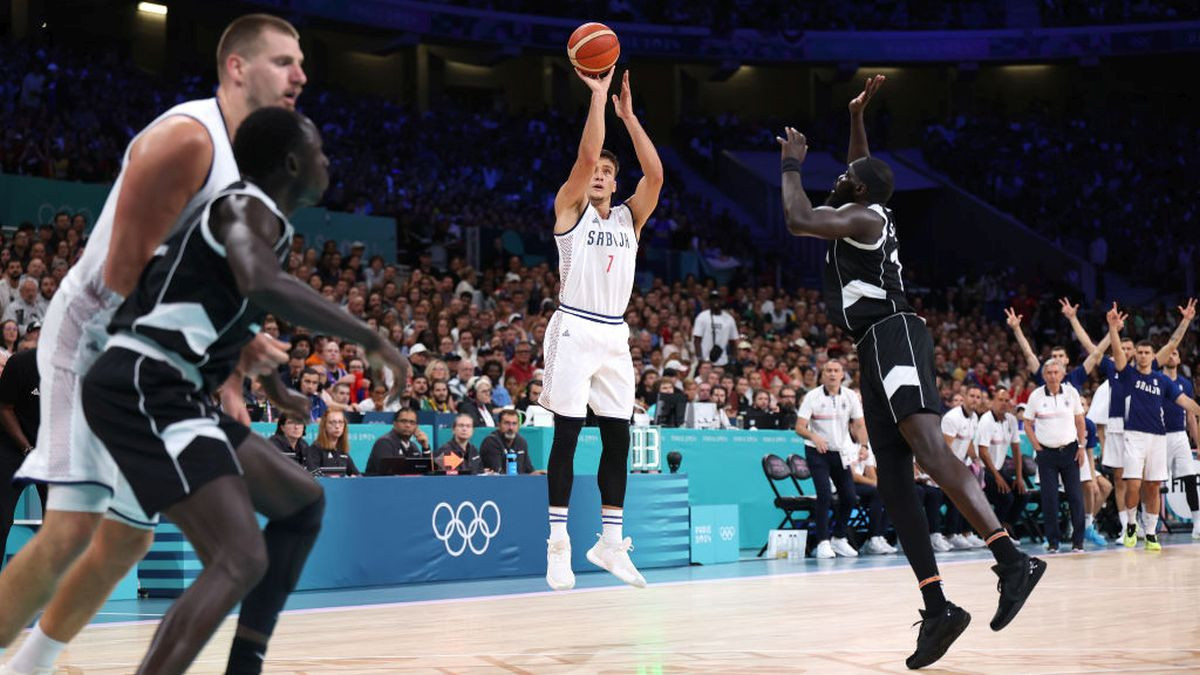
{"x":1054,"y":425}
{"x":959,"y":425}
{"x":997,"y":434}
{"x":825,"y":421}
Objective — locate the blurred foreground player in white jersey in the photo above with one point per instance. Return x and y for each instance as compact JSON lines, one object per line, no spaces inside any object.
{"x":864,"y":293}
{"x":587,"y":339}
{"x":176,"y":164}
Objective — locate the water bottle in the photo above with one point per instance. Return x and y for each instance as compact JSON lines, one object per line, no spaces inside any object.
{"x":511,"y":456}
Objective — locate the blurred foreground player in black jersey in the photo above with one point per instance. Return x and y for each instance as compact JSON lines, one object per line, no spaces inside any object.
{"x":864,"y":293}
{"x":175,"y":340}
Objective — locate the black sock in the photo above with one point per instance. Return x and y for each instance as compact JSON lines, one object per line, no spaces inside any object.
{"x":1151,"y":538}
{"x":1130,"y":529}
{"x":931,"y":592}
{"x":245,"y":657}
{"x":1003,"y":548}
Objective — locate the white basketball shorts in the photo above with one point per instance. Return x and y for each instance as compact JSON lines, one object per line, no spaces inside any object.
{"x":587,"y":364}
{"x":1179,"y":454}
{"x":68,"y":456}
{"x":1145,"y":456}
{"x":1113,"y":452}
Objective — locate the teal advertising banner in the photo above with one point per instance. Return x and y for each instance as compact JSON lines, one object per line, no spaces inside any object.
{"x":24,"y":199}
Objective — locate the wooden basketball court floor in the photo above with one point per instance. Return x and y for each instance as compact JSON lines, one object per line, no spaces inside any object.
{"x":1114,"y":610}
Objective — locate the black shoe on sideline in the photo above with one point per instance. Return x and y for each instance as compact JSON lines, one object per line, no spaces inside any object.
{"x":938,"y":632}
{"x":1015,"y":584}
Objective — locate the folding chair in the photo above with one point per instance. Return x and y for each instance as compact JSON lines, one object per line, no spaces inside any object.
{"x":775,"y":469}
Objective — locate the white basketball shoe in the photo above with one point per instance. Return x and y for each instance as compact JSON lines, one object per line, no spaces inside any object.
{"x":558,"y":565}
{"x":614,"y":557}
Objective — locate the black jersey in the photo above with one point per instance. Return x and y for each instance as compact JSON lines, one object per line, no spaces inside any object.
{"x":187,"y":305}
{"x":862,"y":281}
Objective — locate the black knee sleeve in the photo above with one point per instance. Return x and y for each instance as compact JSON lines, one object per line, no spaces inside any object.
{"x":289,"y":541}
{"x":613,"y":473}
{"x":560,"y":468}
{"x":1189,"y":489}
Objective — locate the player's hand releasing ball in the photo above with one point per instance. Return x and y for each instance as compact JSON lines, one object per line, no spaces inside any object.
{"x":795,"y":146}
{"x":598,"y":85}
{"x":624,"y":103}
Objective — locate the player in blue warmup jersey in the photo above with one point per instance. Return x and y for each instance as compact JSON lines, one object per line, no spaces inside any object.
{"x":1182,"y":426}
{"x":1145,"y":430}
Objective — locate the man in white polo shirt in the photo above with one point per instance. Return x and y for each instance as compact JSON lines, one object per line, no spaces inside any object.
{"x":959,"y":425}
{"x":997,"y":434}
{"x":1054,"y":425}
{"x":827,"y":417}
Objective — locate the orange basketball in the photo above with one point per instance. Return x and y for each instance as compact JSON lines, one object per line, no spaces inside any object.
{"x":593,"y":48}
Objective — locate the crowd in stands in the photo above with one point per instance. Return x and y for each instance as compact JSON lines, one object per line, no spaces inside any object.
{"x":777,"y":15}
{"x":1086,"y":181}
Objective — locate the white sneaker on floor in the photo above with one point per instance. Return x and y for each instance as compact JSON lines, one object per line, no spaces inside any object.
{"x":959,"y":542}
{"x":974,"y":540}
{"x":938,"y":540}
{"x":843,"y":548}
{"x":824,"y":550}
{"x":558,"y":565}
{"x":882,"y":546}
{"x":614,"y":557}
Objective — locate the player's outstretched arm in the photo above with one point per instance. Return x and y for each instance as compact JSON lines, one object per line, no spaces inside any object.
{"x":569,"y":202}
{"x":1071,"y":312}
{"x":1186,"y":314}
{"x":645,"y":197}
{"x":1093,"y":359}
{"x":851,"y":220}
{"x":858,"y":128}
{"x":166,"y":166}
{"x":1115,"y":320}
{"x":248,"y":229}
{"x":1014,"y":322}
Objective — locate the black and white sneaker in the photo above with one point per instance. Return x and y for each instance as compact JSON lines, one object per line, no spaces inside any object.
{"x":938,"y":632}
{"x":1015,"y":584}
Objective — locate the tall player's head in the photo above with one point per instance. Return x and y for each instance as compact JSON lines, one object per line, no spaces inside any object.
{"x":604,"y":179}
{"x":259,"y":62}
{"x":1144,"y":355}
{"x":867,"y":180}
{"x":280,"y":151}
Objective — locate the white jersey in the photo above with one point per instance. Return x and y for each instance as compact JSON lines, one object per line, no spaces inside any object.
{"x":1098,"y":410}
{"x":596,"y":261}
{"x":89,"y":271}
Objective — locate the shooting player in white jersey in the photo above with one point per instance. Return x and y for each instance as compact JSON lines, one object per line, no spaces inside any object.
{"x":587,"y":339}
{"x":174,"y":165}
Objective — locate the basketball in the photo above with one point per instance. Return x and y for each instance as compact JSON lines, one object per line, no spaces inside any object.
{"x":593,"y":48}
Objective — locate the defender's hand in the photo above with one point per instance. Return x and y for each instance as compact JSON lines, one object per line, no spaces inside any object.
{"x":859,"y":103}
{"x":795,"y":146}
{"x":623,"y":104}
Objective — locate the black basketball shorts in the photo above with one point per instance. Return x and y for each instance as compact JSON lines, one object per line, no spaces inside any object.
{"x":164,"y":433}
{"x":896,"y":361}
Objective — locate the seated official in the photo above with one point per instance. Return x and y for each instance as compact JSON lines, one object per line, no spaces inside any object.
{"x":289,"y":437}
{"x":332,"y":447}
{"x":759,"y":416}
{"x":459,"y":455}
{"x":495,"y":448}
{"x":404,"y":440}
{"x":671,"y":408}
{"x":478,"y":403}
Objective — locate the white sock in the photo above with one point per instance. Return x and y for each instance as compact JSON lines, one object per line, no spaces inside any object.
{"x":1131,"y":516}
{"x":611,"y":520}
{"x":1088,"y":520}
{"x":558,"y":523}
{"x":1150,"y":522}
{"x":38,"y":651}
{"x":1196,"y":520}
{"x":1124,"y":518}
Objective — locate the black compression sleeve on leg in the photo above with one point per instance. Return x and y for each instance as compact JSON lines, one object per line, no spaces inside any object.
{"x":613,"y":473}
{"x":560,"y":469}
{"x":289,"y":542}
{"x":895,"y":486}
{"x":1189,"y":489}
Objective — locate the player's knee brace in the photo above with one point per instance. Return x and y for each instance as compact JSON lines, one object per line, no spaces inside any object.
{"x":560,"y":469}
{"x":614,"y":460}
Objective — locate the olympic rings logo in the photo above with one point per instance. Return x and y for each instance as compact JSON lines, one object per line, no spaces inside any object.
{"x":472,"y":531}
{"x":727,"y":533}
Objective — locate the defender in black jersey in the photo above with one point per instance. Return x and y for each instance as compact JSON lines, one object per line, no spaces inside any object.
{"x":175,"y":340}
{"x":864,"y":293}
